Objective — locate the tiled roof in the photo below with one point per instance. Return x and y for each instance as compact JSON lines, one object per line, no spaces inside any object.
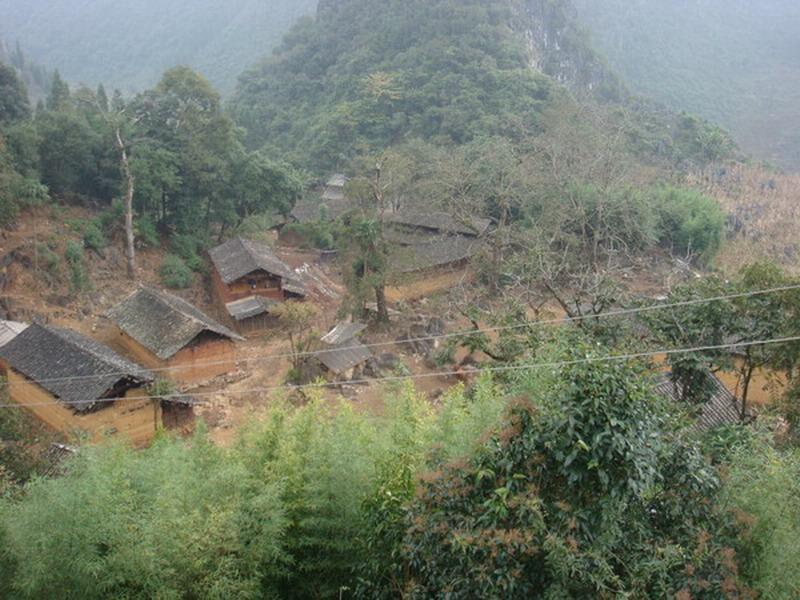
{"x":164,"y":323}
{"x":239,"y":257}
{"x":438,"y":221}
{"x":722,"y":409}
{"x":71,"y":366}
{"x":248,"y":308}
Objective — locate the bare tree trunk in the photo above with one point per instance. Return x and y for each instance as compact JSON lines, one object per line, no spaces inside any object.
{"x":380,"y":302}
{"x":746,"y":380}
{"x":130,"y":251}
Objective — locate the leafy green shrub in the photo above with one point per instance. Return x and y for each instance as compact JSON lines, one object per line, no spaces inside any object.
{"x":146,"y":232}
{"x":763,"y":485}
{"x":112,"y":218}
{"x":189,"y":248}
{"x":78,"y":275}
{"x":690,"y":222}
{"x":319,"y":236}
{"x":174,"y":272}
{"x":178,"y":520}
{"x":573,"y":502}
{"x":93,"y":237}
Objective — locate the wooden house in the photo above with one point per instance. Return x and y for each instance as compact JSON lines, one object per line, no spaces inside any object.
{"x":247,"y":280}
{"x":342,"y":354}
{"x":79,"y":386}
{"x":165,"y":332}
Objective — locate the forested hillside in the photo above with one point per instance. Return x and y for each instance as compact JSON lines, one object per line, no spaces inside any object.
{"x":731,"y":61}
{"x":365,"y":75}
{"x":128,"y":45}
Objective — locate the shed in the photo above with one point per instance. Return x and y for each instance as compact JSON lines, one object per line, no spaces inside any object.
{"x":438,"y":252}
{"x":342,"y":354}
{"x":164,"y":331}
{"x":73,"y":383}
{"x":723,"y":408}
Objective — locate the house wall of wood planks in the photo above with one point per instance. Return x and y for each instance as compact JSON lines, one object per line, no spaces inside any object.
{"x":189,"y":365}
{"x":256,"y":284}
{"x":135,"y":419}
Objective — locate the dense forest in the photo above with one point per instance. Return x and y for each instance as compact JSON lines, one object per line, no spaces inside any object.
{"x":551,"y":463}
{"x":451,"y":72}
{"x":127,"y":45}
{"x":734,"y":62}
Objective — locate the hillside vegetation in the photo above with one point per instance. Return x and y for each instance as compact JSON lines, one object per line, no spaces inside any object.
{"x":127,"y":45}
{"x":365,"y":75}
{"x":731,"y":61}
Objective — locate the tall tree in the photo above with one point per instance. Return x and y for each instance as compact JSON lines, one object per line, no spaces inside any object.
{"x":14,"y":103}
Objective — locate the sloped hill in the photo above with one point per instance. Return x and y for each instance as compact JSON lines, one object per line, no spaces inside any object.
{"x":130,"y":44}
{"x":731,"y":61}
{"x":367,"y":73}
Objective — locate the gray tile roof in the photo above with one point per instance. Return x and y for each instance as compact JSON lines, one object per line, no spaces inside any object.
{"x":239,"y":257}
{"x":440,"y":251}
{"x":248,"y":308}
{"x":722,"y":409}
{"x":72,"y":367}
{"x":342,"y":357}
{"x":438,"y":221}
{"x":162,"y":322}
{"x":343,"y":332}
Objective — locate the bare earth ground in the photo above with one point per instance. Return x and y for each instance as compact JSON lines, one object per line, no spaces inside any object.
{"x":32,"y":290}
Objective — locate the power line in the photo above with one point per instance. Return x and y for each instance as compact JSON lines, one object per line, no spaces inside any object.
{"x":434,"y":374}
{"x":456,"y":334}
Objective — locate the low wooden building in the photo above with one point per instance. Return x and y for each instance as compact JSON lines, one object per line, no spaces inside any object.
{"x":342,"y":354}
{"x":247,"y":280}
{"x":163,"y":331}
{"x":79,"y":386}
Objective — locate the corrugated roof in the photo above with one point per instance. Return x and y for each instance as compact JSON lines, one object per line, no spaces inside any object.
{"x":343,"y":357}
{"x":248,"y":308}
{"x":9,"y":330}
{"x":162,"y":322}
{"x":722,"y":409}
{"x":424,"y":218}
{"x":239,"y":257}
{"x":71,"y":366}
{"x":342,"y":333}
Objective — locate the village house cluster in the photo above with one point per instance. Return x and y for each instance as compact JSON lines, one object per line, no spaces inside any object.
{"x":162,"y":343}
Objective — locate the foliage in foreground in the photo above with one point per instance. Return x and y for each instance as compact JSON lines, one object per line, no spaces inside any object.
{"x":585,"y":487}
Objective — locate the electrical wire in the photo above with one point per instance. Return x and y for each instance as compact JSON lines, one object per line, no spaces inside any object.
{"x":432,"y":337}
{"x":434,"y":374}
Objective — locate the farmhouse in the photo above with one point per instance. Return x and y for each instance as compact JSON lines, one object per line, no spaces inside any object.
{"x":77,"y":385}
{"x":722,"y":407}
{"x":342,"y":354}
{"x":165,"y":332}
{"x":248,"y":279}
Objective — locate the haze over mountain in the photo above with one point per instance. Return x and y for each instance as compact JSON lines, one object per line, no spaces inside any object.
{"x":129,"y":44}
{"x":736,"y":62}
